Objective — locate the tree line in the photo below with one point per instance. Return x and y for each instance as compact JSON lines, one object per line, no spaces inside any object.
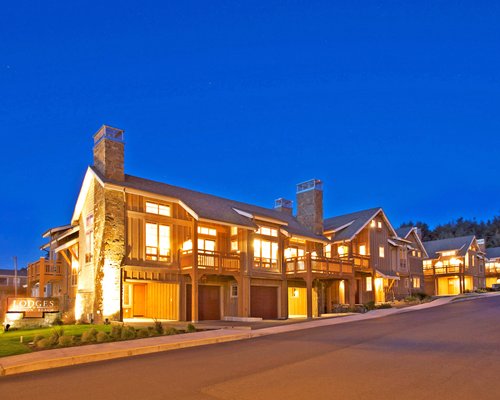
{"x":489,"y":230}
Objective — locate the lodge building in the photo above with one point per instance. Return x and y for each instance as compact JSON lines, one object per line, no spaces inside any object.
{"x":140,"y":248}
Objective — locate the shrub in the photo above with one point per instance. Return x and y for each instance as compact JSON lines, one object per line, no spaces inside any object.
{"x":37,"y":338}
{"x":370,"y":305}
{"x":116,"y":331}
{"x":102,"y":337}
{"x":171,"y":331}
{"x":158,"y":327}
{"x":128,"y":332}
{"x":152,"y":331}
{"x":56,"y":334}
{"x":411,"y":299}
{"x":190,"y":328}
{"x":89,"y":336}
{"x":66,"y":340}
{"x":142,"y":333}
{"x":383,"y":305}
{"x":44,"y":343}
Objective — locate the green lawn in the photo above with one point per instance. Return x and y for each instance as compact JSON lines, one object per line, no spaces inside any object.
{"x":10,"y":341}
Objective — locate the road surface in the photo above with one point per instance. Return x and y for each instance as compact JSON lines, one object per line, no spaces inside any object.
{"x":449,"y":352}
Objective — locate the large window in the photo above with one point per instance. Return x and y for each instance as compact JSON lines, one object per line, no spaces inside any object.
{"x":416,"y":282}
{"x":157,"y":242}
{"x":206,"y":245}
{"x":343,"y":251}
{"x":265,"y":254}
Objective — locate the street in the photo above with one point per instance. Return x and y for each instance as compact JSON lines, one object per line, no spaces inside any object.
{"x":449,"y":352}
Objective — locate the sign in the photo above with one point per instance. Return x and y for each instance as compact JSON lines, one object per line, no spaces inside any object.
{"x":32,"y":304}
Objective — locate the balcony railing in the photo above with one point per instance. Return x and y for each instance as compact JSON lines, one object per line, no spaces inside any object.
{"x":213,"y":261}
{"x":361,"y":261}
{"x":492,"y":270}
{"x":445,"y":269}
{"x":50,"y":270}
{"x":318,"y":265}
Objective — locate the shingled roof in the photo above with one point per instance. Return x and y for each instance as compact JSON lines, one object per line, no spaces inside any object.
{"x":404,"y":231}
{"x":461,"y":244}
{"x":493,"y":252}
{"x":347,"y":225}
{"x":215,"y":208}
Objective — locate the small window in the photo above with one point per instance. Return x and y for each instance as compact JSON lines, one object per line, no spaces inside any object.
{"x":379,"y":224}
{"x":369,"y":284}
{"x":381,"y":251}
{"x":373,"y":223}
{"x":362,"y":250}
{"x":207,"y":231}
{"x":342,"y":251}
{"x":267,"y":231}
{"x":158,"y":209}
{"x":234,"y":245}
{"x":234,"y":291}
{"x":416,"y":282}
{"x":234,"y":231}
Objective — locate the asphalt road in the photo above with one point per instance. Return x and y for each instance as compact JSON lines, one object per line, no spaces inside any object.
{"x":449,"y":352}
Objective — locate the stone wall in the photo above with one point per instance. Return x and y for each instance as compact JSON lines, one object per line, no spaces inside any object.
{"x":310,"y":210}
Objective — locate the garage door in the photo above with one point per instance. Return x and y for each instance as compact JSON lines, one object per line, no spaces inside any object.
{"x":208,"y":302}
{"x":264,"y":302}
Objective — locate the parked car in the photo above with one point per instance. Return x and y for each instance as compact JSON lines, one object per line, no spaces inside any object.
{"x":496,"y":287}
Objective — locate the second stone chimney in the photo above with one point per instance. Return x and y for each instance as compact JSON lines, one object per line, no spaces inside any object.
{"x":310,"y":205}
{"x":284,"y":205}
{"x":109,"y":149}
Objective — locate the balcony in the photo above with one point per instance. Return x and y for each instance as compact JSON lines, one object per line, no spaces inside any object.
{"x":492,"y":269}
{"x":210,"y":261}
{"x":318,"y":265}
{"x":443,"y":270}
{"x":360,"y":261}
{"x":45,"y":271}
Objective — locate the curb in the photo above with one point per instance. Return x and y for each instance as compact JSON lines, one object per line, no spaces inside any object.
{"x":110,"y":355}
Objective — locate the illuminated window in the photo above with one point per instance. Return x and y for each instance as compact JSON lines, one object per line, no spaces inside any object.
{"x":381,"y":251}
{"x":416,"y":282}
{"x":292,"y":252}
{"x":373,"y":223}
{"x":74,"y":276}
{"x":263,"y":230}
{"x":159,"y":209}
{"x":342,"y":250}
{"x":207,"y":231}
{"x":448,"y":253}
{"x":328,"y":251}
{"x":206,"y":245}
{"x":379,"y":224}
{"x":234,"y":290}
{"x":265,"y":253}
{"x":157,"y":242}
{"x":362,"y":249}
{"x":234,"y":231}
{"x":234,"y":245}
{"x":369,"y":284}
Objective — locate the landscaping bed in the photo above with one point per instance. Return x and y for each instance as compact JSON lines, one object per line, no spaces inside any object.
{"x":28,"y":340}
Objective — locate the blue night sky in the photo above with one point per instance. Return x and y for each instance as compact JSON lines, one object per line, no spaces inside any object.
{"x":389,"y":103}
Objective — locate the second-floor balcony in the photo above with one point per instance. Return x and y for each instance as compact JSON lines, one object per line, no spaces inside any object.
{"x":210,"y":261}
{"x":360,"y":261}
{"x":318,"y":265}
{"x":45,"y":270}
{"x":442,"y":270}
{"x":492,"y":269}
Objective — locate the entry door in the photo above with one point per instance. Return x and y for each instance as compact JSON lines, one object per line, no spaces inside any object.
{"x":139,"y":300}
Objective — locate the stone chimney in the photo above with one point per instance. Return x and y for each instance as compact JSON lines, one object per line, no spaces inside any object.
{"x":310,"y":205}
{"x":109,"y":153}
{"x":482,"y":245}
{"x":284,"y":205}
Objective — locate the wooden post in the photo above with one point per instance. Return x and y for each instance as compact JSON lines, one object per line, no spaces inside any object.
{"x":41,"y":280}
{"x":352,"y":291}
{"x":194,"y":276}
{"x":309,"y":281}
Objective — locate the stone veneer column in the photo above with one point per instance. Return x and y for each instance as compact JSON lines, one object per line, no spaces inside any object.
{"x":109,"y":251}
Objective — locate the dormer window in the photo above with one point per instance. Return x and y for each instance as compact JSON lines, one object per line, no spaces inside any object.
{"x":158,"y":209}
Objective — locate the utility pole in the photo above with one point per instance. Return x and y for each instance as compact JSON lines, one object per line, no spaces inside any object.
{"x":15,"y":276}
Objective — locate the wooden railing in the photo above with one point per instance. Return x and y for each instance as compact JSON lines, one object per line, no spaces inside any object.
{"x":46,"y":268}
{"x":266,"y":264}
{"x":360,"y":261}
{"x":318,"y":265}
{"x":214,"y":261}
{"x":445,"y":269}
{"x":492,"y":270}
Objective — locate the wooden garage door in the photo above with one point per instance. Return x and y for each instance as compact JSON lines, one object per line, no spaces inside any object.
{"x":208,"y":302}
{"x":264,"y":302}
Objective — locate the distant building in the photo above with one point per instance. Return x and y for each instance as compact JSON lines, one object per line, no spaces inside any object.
{"x":8,"y":285}
{"x":454,"y":266}
{"x":492,"y":266}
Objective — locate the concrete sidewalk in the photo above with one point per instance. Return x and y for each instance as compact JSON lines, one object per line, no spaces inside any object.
{"x":90,"y":353}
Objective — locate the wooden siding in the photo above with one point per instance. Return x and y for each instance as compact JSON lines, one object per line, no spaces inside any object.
{"x":162,"y":300}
